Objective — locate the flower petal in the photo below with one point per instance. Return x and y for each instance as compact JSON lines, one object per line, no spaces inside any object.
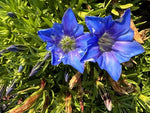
{"x":121,"y":25}
{"x":108,"y":62}
{"x":50,"y":46}
{"x":81,"y":42}
{"x":57,"y":55}
{"x":52,"y":35}
{"x":73,"y":59}
{"x":69,"y":22}
{"x":98,"y":25}
{"x":93,"y":40}
{"x":128,"y":49}
{"x":45,"y":34}
{"x":128,"y":36}
{"x":92,"y":53}
{"x":79,"y":31}
{"x":121,"y":58}
{"x":58,"y":30}
{"x":95,"y":25}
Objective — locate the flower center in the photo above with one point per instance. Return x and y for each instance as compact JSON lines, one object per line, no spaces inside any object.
{"x":105,"y":42}
{"x":67,"y":44}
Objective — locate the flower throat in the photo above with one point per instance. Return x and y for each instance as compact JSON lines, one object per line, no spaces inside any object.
{"x":67,"y":44}
{"x":105,"y":42}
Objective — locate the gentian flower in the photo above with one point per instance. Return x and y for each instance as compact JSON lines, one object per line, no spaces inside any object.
{"x":66,"y":41}
{"x":111,"y":43}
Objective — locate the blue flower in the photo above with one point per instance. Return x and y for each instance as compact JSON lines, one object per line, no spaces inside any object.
{"x":66,"y":41}
{"x":111,"y":43}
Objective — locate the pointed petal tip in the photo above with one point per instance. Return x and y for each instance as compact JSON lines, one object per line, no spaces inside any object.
{"x":127,"y":14}
{"x":69,"y":22}
{"x":115,"y":77}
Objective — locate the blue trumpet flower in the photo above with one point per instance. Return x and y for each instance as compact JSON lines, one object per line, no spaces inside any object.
{"x":66,"y":41}
{"x":111,"y":43}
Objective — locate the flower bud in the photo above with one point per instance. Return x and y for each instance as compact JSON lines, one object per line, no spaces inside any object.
{"x":36,"y":68}
{"x":10,"y":88}
{"x":20,"y":68}
{"x":104,"y":95}
{"x":12,"y":15}
{"x":17,"y":48}
{"x":47,"y":56}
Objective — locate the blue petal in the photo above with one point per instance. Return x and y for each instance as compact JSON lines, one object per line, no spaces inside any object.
{"x":69,"y":22}
{"x":128,"y":36}
{"x":121,"y":58}
{"x":93,"y":40}
{"x":50,"y":46}
{"x":121,"y":25}
{"x":52,"y":35}
{"x":92,"y":53}
{"x":73,"y":59}
{"x":58,"y":30}
{"x":81,"y":42}
{"x":128,"y":49}
{"x":98,"y":25}
{"x":65,"y":59}
{"x":57,"y":55}
{"x":95,"y":25}
{"x":79,"y":31}
{"x":45,"y":34}
{"x":108,"y":22}
{"x":108,"y":62}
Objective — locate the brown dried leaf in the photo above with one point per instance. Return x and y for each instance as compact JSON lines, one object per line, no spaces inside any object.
{"x":130,"y":88}
{"x":143,"y":34}
{"x":80,"y":91}
{"x":68,"y":104}
{"x":128,"y":64}
{"x":74,"y":80}
{"x":122,"y":89}
{"x":137,"y":36}
{"x":29,"y":101}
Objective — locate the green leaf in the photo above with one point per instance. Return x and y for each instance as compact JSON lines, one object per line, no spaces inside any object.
{"x":126,"y":6}
{"x":113,"y":11}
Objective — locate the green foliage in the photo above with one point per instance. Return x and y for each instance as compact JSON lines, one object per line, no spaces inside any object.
{"x":33,"y":15}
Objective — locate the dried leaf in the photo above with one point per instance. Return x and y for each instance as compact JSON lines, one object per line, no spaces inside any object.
{"x":137,"y":36}
{"x":121,"y":89}
{"x":29,"y":101}
{"x":128,"y":64}
{"x":74,"y":80}
{"x":27,"y":104}
{"x":143,"y":34}
{"x":68,"y":104}
{"x":80,"y":90}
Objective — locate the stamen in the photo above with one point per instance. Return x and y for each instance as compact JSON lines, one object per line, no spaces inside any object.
{"x":67,"y":44}
{"x":105,"y":42}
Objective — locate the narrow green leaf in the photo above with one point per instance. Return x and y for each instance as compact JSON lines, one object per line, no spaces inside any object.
{"x":113,"y":11}
{"x":126,"y":6}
